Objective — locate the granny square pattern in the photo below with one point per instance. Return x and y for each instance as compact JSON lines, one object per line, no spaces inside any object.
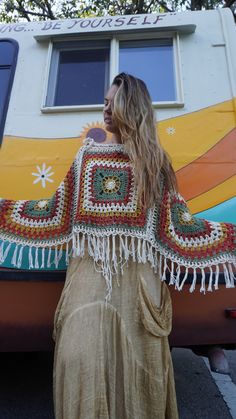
{"x":108,"y":195}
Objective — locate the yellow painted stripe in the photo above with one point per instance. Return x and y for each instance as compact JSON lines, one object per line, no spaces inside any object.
{"x":20,"y":157}
{"x":187,"y":137}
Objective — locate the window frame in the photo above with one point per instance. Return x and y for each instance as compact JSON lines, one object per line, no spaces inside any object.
{"x":10,"y":84}
{"x":114,"y":66}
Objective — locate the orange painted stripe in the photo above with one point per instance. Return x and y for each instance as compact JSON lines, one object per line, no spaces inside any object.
{"x":209,"y":170}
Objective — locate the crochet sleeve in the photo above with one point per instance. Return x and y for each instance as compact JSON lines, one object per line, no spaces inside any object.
{"x":33,"y":226}
{"x":196,"y":245}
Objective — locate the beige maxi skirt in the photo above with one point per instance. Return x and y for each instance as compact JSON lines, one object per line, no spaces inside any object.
{"x":112,"y":360}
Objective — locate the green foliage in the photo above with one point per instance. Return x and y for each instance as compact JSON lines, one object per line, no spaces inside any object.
{"x":15,"y":10}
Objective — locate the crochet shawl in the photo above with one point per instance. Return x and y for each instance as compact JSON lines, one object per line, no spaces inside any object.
{"x":95,"y":209}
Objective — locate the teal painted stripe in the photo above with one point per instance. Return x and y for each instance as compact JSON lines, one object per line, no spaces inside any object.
{"x":225,"y":212}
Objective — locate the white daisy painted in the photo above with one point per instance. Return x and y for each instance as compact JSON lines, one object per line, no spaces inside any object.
{"x":43,"y":175}
{"x":170,"y":130}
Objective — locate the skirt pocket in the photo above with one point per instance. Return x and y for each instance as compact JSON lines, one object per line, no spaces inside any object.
{"x":156,"y":320}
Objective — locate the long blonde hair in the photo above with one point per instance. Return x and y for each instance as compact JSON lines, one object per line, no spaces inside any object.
{"x":134,"y":117}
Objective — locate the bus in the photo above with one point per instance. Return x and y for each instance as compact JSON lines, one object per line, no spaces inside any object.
{"x":53,"y":76}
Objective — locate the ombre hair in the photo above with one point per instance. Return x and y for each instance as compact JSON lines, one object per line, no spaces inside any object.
{"x":134,"y":117}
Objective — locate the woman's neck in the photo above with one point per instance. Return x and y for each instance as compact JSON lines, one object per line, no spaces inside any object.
{"x":115,"y":139}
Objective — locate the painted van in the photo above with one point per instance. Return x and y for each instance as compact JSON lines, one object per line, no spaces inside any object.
{"x":53,"y":77}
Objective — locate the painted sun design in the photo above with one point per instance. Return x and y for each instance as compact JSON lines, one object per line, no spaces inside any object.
{"x":96,"y":131}
{"x":43,"y":175}
{"x":170,"y":130}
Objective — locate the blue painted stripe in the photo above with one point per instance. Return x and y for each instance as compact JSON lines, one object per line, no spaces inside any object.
{"x":225,"y":212}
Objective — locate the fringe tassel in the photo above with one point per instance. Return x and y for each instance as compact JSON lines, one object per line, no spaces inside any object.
{"x":4,"y":253}
{"x":43,"y":258}
{"x":229,"y":275}
{"x":217,"y":274}
{"x":49,"y":258}
{"x":156,"y":258}
{"x":31,"y":265}
{"x":36,"y":258}
{"x":203,"y":284}
{"x":180,"y":287}
{"x":178,"y":271}
{"x":20,"y":256}
{"x":133,"y":251}
{"x":232,"y":276}
{"x":226,"y":276}
{"x":114,"y":257}
{"x":82,"y":244}
{"x":58,"y":255}
{"x":209,"y":288}
{"x":163,"y":277}
{"x":144,"y":252}
{"x":14,"y":257}
{"x":160,"y":266}
{"x":172,"y":277}
{"x":192,"y":288}
{"x":1,"y":252}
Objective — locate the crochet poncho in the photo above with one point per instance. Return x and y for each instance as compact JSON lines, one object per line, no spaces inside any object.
{"x":95,"y":209}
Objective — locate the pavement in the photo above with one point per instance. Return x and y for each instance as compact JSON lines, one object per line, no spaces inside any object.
{"x":26,"y":386}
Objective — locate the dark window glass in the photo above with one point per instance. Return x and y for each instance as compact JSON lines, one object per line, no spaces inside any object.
{"x":4,"y":82}
{"x":8,"y":58}
{"x":7,"y":51}
{"x":82,"y":76}
{"x":152,"y":61}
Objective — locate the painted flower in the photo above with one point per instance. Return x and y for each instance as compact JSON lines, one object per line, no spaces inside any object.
{"x":170,"y":130}
{"x":43,"y":175}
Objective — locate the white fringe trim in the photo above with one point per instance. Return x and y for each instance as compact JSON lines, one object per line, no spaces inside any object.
{"x":112,"y":253}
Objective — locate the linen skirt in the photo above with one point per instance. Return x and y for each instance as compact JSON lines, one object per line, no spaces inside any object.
{"x":112,"y":359}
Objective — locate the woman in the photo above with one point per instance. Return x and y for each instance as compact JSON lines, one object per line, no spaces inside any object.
{"x":124,"y":229}
{"x":112,"y":359}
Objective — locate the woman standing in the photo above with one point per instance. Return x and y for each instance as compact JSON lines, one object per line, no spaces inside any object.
{"x":112,"y":358}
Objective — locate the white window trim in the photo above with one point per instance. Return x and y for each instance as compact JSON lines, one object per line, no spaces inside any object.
{"x":114,"y":65}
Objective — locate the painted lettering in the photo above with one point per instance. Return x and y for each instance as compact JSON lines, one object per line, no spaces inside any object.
{"x":57,"y":25}
{"x":74,"y":22}
{"x":132,"y":20}
{"x":119,"y":21}
{"x":85,"y":23}
{"x":95,"y":24}
{"x":145,"y":21}
{"x":5,"y":28}
{"x":47,"y":25}
{"x":19,"y":28}
{"x":158,"y":18}
{"x":107,"y":22}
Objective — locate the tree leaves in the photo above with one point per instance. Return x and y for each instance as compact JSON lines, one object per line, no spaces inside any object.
{"x":15,"y":10}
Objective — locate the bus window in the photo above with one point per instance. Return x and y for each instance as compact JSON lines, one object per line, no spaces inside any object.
{"x":79,"y":73}
{"x":8,"y":58}
{"x":151,"y":60}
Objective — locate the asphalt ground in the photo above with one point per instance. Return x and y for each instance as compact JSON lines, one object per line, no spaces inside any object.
{"x":26,"y":386}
